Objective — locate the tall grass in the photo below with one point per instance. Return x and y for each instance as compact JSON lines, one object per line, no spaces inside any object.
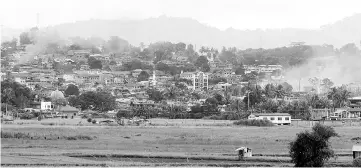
{"x":259,"y":123}
{"x":21,"y":135}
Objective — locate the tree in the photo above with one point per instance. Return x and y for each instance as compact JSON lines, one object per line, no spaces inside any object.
{"x":327,"y":83}
{"x":171,"y":92}
{"x":100,"y":101}
{"x":94,"y":63}
{"x":25,"y":39}
{"x":116,"y":44}
{"x":339,"y":96}
{"x":180,"y":47}
{"x":312,"y":149}
{"x":270,"y":90}
{"x":287,"y":87}
{"x":240,"y":71}
{"x":202,"y":63}
{"x":155,"y":95}
{"x":75,"y":47}
{"x":143,"y":76}
{"x":72,"y":90}
{"x":20,"y":95}
{"x":9,"y":94}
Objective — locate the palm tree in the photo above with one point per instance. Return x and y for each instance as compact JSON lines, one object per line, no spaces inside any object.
{"x":171,"y":92}
{"x":9,"y":94}
{"x":279,"y":92}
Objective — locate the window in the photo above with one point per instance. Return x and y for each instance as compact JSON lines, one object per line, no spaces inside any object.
{"x":280,"y":118}
{"x":287,"y":118}
{"x":272,"y":118}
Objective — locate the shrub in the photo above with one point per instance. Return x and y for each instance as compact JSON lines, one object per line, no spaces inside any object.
{"x":51,"y":123}
{"x":259,"y":123}
{"x":357,"y":162}
{"x":26,"y":116}
{"x":311,"y":149}
{"x":89,"y":120}
{"x":15,"y":135}
{"x":224,"y":116}
{"x":79,"y":137}
{"x":94,"y":121}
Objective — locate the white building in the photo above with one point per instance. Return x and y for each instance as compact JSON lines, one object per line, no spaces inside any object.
{"x":46,"y":106}
{"x":199,"y":79}
{"x":275,"y":118}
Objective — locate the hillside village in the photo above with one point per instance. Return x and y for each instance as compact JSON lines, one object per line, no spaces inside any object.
{"x":162,"y":78}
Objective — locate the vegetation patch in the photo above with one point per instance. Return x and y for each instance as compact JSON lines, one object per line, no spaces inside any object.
{"x":259,"y":123}
{"x":21,"y":135}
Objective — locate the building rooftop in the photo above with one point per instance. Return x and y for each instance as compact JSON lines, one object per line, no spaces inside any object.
{"x":271,"y":114}
{"x":356,"y":148}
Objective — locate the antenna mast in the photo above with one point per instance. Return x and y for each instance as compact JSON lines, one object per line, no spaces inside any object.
{"x":37,"y":20}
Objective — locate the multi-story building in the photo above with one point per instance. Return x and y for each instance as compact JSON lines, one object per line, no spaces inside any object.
{"x":199,"y":79}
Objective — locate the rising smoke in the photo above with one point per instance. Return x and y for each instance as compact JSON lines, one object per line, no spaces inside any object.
{"x":40,"y":46}
{"x":344,"y":69}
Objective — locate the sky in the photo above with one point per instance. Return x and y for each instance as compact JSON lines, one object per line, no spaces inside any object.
{"x":223,"y":14}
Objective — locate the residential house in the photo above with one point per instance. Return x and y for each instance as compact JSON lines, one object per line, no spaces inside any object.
{"x":136,"y":72}
{"x":269,"y":68}
{"x":222,"y":86}
{"x":354,"y":110}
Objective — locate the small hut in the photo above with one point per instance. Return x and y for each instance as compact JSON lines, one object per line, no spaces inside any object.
{"x":356,"y":150}
{"x":244,"y":152}
{"x":68,"y":111}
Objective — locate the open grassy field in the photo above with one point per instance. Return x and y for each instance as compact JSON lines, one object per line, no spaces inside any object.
{"x":190,"y":141}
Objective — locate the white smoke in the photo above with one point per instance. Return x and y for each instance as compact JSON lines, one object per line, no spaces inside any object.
{"x":339,"y":69}
{"x":41,"y":41}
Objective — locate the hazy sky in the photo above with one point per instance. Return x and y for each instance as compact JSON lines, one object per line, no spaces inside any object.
{"x":240,"y":14}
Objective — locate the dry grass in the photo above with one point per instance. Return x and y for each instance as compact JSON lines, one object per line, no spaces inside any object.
{"x":196,"y":138}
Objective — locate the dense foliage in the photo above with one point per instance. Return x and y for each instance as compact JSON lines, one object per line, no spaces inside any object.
{"x":312,"y":149}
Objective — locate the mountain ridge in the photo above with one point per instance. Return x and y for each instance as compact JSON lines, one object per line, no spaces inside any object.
{"x":188,"y":30}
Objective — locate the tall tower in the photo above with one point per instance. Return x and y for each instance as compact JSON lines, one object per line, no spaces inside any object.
{"x":154,"y":81}
{"x":37,"y":20}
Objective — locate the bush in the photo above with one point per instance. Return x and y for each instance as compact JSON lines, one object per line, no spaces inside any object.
{"x":79,"y":137}
{"x":259,"y":123}
{"x":26,"y":116}
{"x":51,"y":123}
{"x":357,"y":162}
{"x":17,"y":135}
{"x":224,"y":116}
{"x":94,"y":121}
{"x":89,"y":120}
{"x":311,"y":149}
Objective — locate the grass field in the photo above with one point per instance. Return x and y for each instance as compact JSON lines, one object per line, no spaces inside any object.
{"x":213,"y":142}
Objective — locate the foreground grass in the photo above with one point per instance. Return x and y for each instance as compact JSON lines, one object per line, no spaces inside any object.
{"x":189,"y":141}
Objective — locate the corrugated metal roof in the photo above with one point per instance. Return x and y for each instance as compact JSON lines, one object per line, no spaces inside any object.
{"x":356,"y":148}
{"x":271,"y":114}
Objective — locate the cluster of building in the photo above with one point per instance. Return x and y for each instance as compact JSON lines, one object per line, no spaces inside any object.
{"x":42,"y":74}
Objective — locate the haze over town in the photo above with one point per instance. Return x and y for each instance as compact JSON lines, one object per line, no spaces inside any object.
{"x":180,"y":83}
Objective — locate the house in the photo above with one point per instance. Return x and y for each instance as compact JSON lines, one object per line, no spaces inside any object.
{"x":356,"y":151}
{"x":354,"y":110}
{"x":222,"y":86}
{"x":68,"y":110}
{"x":199,"y":79}
{"x":275,"y":118}
{"x":244,"y":152}
{"x":46,"y":106}
{"x":136,"y":72}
